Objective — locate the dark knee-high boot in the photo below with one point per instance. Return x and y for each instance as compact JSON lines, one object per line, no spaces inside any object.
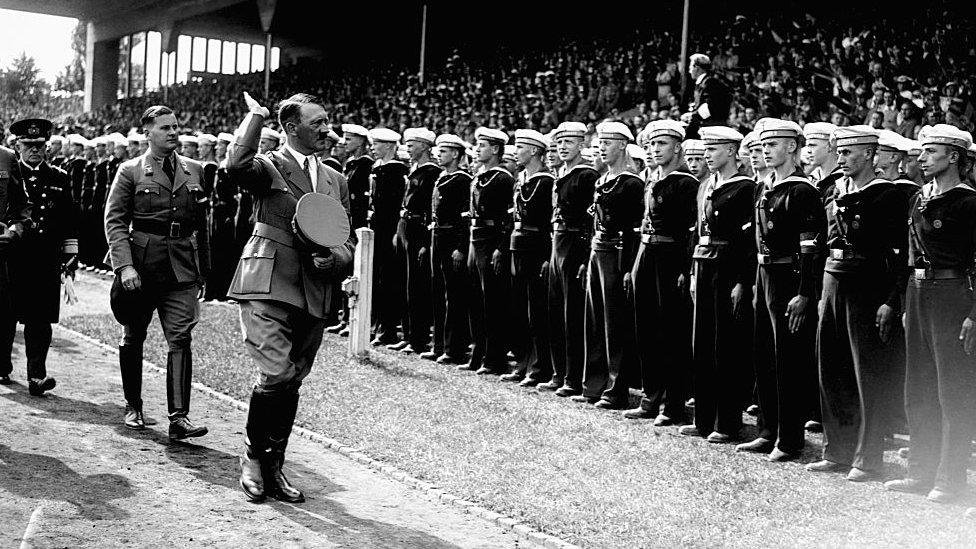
{"x":259,"y":415}
{"x":277,"y":485}
{"x":179,"y":371}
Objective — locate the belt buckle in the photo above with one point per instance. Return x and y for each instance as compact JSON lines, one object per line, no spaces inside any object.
{"x":705,"y":240}
{"x":836,"y":253}
{"x":762,"y":259}
{"x":174,"y":229}
{"x":920,"y":274}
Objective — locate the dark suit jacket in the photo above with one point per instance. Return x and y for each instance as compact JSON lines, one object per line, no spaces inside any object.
{"x":714,"y":93}
{"x":272,"y":267}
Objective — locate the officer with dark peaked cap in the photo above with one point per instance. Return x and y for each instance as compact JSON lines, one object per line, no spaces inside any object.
{"x":488,"y":263}
{"x":857,"y":348}
{"x":659,"y":277}
{"x":45,"y":253}
{"x":413,"y":240}
{"x":790,"y":227}
{"x":388,"y":182}
{"x":724,"y":271}
{"x":531,"y":246}
{"x":940,"y":320}
{"x":572,"y":195}
{"x":616,"y":210}
{"x":158,"y":244}
{"x":450,"y":201}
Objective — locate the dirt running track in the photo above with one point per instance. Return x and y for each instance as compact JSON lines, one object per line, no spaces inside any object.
{"x":72,"y":476}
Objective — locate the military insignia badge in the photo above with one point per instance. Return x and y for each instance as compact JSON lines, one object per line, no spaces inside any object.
{"x":769,"y":225}
{"x":937,"y":223}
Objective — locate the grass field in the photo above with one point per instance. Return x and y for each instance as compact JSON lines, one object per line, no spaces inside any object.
{"x":577,"y":472}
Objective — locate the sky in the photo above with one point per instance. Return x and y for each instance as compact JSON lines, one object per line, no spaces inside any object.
{"x":46,"y":38}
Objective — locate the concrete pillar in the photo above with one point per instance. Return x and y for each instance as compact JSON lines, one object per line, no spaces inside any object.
{"x":101,"y":71}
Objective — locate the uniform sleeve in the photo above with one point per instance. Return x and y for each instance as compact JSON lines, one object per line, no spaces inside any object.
{"x":70,"y":217}
{"x":464,"y":226}
{"x":812,"y":218}
{"x":18,"y":214}
{"x":118,"y":215}
{"x":250,"y":174}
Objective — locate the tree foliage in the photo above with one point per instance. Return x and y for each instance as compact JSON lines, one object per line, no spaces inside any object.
{"x":72,"y":77}
{"x":21,"y":79}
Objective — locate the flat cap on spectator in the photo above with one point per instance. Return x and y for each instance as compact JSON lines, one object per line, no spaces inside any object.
{"x":664,"y":128}
{"x":819,"y":130}
{"x":719,"y":134}
{"x":208,"y":138}
{"x":855,"y":135}
{"x":531,"y":137}
{"x":268,"y":133}
{"x":384,"y":135}
{"x":614,"y":130}
{"x":772,"y":128}
{"x":944,"y":134}
{"x":355,"y":129}
{"x":451,"y":140}
{"x":225,"y":137}
{"x":422,"y":135}
{"x":570,"y":129}
{"x":491,"y":134}
{"x":693,"y":147}
{"x":636,"y":152}
{"x":891,"y":141}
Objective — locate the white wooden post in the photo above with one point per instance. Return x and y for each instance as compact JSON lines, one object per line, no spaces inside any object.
{"x":359,"y":288}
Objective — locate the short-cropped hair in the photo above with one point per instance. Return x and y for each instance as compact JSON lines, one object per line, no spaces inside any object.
{"x":150,"y":115}
{"x":289,"y":110}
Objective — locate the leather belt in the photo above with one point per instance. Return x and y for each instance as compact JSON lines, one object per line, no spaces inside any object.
{"x":526,"y":227}
{"x":566,"y":227}
{"x":608,"y":235}
{"x":708,"y":240}
{"x":651,"y":238}
{"x":405,"y":214}
{"x":271,"y":232}
{"x":939,"y":274}
{"x":169,"y":229}
{"x":769,"y":259}
{"x":840,"y":254}
{"x":479,"y":222}
{"x":436,"y":225}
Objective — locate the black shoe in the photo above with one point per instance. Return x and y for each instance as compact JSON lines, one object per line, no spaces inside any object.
{"x":514,"y":377}
{"x":529,"y":382}
{"x":449,"y":359}
{"x":181,"y":427}
{"x":567,"y":391}
{"x":468,"y":367}
{"x":640,"y":413}
{"x":759,"y":445}
{"x":133,"y":419}
{"x":777,"y":455}
{"x":486,"y":371}
{"x":429,"y":355}
{"x":665,"y":421}
{"x":605,"y":404}
{"x":252,"y":478}
{"x":552,"y":385}
{"x":36,"y":387}
{"x":826,"y":466}
{"x":344,"y":332}
{"x":5,"y":380}
{"x":908,"y":486}
{"x":585,"y":399}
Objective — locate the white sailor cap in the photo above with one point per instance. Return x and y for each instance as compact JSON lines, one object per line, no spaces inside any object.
{"x":100,"y":140}
{"x":750,"y":140}
{"x":855,"y":135}
{"x":719,"y":134}
{"x":118,"y":140}
{"x":819,"y":130}
{"x":914,"y":147}
{"x":891,"y":141}
{"x":355,"y":129}
{"x":531,"y":137}
{"x":191,"y":139}
{"x":664,"y":128}
{"x":226,"y":137}
{"x":385,"y":135}
{"x":614,"y":130}
{"x":570,"y":129}
{"x":772,"y":128}
{"x":636,"y":152}
{"x":972,"y":151}
{"x":944,"y":134}
{"x":423,"y":135}
{"x":451,"y":140}
{"x":207,"y":138}
{"x":551,"y":139}
{"x":136,"y":137}
{"x":491,"y":134}
{"x":402,"y":152}
{"x":56,"y":138}
{"x":509,"y":154}
{"x":693,"y":147}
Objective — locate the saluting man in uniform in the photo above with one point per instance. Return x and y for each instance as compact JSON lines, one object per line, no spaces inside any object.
{"x":531,"y":246}
{"x":616,"y":210}
{"x":940,"y":320}
{"x":790,"y":226}
{"x":724,"y":271}
{"x":659,"y":277}
{"x":158,"y":245}
{"x":283,"y":288}
{"x":45,"y":253}
{"x":413,"y":240}
{"x":858,"y":351}
{"x":572,"y":195}
{"x":450,"y":201}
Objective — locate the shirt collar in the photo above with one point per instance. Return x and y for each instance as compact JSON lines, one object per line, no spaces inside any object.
{"x":300,"y":157}
{"x":700,"y":78}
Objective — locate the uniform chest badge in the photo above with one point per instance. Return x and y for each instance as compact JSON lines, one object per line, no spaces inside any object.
{"x":147,"y":169}
{"x":937,"y":223}
{"x":769,"y":225}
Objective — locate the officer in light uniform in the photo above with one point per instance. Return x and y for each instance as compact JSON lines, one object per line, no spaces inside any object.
{"x":572,"y":194}
{"x":531,"y":246}
{"x":940,"y":320}
{"x":659,"y":278}
{"x":858,"y":351}
{"x":790,"y":228}
{"x":449,"y":241}
{"x":694,"y":154}
{"x":616,"y":210}
{"x":724,"y":270}
{"x":823,"y":157}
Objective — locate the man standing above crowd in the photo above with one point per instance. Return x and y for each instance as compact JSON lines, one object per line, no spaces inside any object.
{"x":572,"y":194}
{"x":712,"y":97}
{"x":388,"y":183}
{"x":790,"y":225}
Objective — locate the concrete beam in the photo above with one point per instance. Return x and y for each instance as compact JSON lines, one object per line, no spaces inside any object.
{"x":158,"y":17}
{"x":101,"y":72}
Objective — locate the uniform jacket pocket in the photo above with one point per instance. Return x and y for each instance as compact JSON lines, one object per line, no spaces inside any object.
{"x":257,"y":268}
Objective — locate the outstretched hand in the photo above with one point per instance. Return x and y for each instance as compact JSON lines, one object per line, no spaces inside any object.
{"x":254,"y":107}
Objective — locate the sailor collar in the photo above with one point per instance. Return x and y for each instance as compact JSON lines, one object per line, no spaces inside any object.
{"x":525,"y":179}
{"x":929,"y":190}
{"x":445,"y":177}
{"x":428,"y":163}
{"x":736,"y":177}
{"x":603,"y":184}
{"x":564,"y":172}
{"x":843,"y":186}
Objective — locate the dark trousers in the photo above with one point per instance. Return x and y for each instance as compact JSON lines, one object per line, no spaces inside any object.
{"x":489,"y":304}
{"x":37,"y":341}
{"x":282,"y":340}
{"x":450,"y":294}
{"x":223,"y":255}
{"x":567,"y":298}
{"x":412,"y":237}
{"x":662,"y":318}
{"x":859,"y":373}
{"x":940,"y":382}
{"x":721,"y":350}
{"x":783,"y":360}
{"x":387,"y":296}
{"x":530,"y":298}
{"x":609,"y":331}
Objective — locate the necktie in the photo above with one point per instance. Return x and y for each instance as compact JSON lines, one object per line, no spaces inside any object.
{"x":308,"y":173}
{"x":169,"y":170}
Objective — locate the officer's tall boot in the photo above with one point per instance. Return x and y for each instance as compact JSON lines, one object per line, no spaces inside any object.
{"x":37,"y":341}
{"x":277,"y":485}
{"x":130,"y":364}
{"x":179,"y":371}
{"x":260,"y":413}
